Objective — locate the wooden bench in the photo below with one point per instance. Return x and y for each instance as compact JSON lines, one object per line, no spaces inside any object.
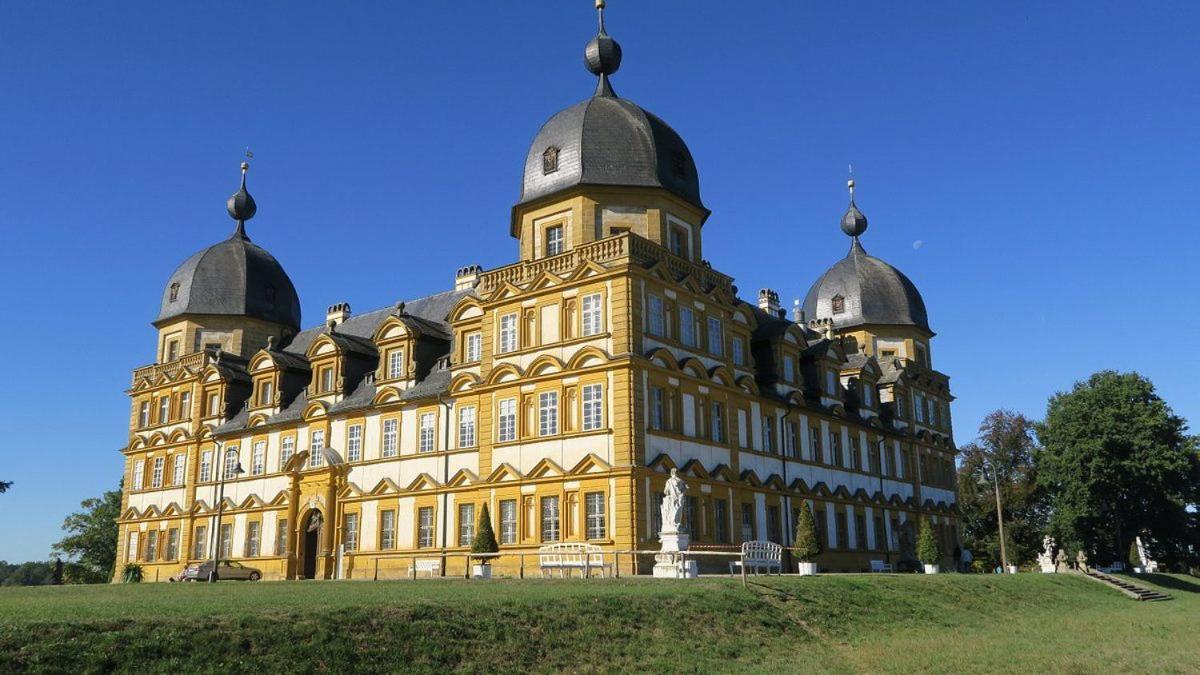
{"x":566,"y":557}
{"x":759,"y":555}
{"x":430,"y":566}
{"x":880,"y":566}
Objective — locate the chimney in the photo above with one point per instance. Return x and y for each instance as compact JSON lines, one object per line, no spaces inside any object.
{"x":768,"y":301}
{"x":467,"y":277}
{"x":337,"y":313}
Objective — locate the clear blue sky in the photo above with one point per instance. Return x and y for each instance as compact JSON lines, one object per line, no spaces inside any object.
{"x":1044,"y":155}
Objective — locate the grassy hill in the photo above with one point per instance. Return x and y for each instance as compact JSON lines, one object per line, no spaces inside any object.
{"x":1057,"y":623}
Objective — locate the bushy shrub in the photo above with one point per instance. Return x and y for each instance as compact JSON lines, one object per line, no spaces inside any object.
{"x":927,"y":546}
{"x":132,"y":574}
{"x":806,"y":545}
{"x":485,"y":538}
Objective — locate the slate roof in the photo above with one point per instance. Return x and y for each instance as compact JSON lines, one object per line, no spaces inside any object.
{"x":873,"y":291}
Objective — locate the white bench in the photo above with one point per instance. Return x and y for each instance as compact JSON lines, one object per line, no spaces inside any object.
{"x":430,"y":566}
{"x":760,"y":555}
{"x":565,"y":557}
{"x":880,"y":566}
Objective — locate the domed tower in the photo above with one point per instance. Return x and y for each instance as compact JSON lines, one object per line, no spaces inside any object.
{"x":606,"y":166}
{"x":231,"y":296}
{"x":870,"y":300}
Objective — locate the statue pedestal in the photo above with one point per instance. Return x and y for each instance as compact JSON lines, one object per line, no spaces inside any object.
{"x":1048,"y":568}
{"x":669,"y":564}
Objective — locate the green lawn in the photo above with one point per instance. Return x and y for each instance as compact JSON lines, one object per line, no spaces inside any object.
{"x":839,"y":623}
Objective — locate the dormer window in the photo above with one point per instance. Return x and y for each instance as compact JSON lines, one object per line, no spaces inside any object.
{"x":550,"y":160}
{"x":174,"y":291}
{"x":839,"y":304}
{"x":395,"y":363}
{"x":326,"y":379}
{"x":266,"y":393}
{"x":830,"y":383}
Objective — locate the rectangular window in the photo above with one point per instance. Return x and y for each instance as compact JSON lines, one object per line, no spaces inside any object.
{"x":860,"y":531}
{"x":791,"y":447}
{"x":691,"y":515}
{"x":206,"y":466}
{"x":226,"y":549}
{"x":656,"y":524}
{"x":172,"y":350}
{"x":747,"y":521}
{"x":687,"y":326}
{"x":814,"y":435}
{"x":739,"y":352}
{"x":152,"y":545}
{"x":474,"y":347}
{"x":768,"y":433}
{"x":839,"y":524}
{"x":354,"y":443}
{"x":678,"y":242}
{"x":830,"y":383}
{"x":350,"y":531}
{"x":144,"y":415}
{"x":281,"y":537}
{"x":178,"y":466}
{"x":594,"y":510}
{"x":548,"y":413}
{"x":508,"y":521}
{"x":466,"y":524}
{"x":507,"y":424}
{"x":867,"y":398}
{"x":593,"y":407}
{"x":789,"y":369}
{"x":426,"y":440}
{"x":258,"y":459}
{"x":774,"y":526}
{"x":214,"y":405}
{"x":253,"y":530}
{"x":266,"y":394}
{"x":550,"y":519}
{"x":326,"y":379}
{"x":855,"y":455}
{"x":657,"y":408}
{"x":139,"y":474}
{"x":835,"y":447}
{"x":425,"y":527}
{"x":185,"y":405}
{"x":316,"y":447}
{"x":387,"y":530}
{"x":657,"y":316}
{"x":390,"y":437}
{"x":156,"y":474}
{"x":200,"y":542}
{"x":172,"y":544}
{"x":554,"y":240}
{"x":395,"y":363}
{"x":508,"y":333}
{"x":231,"y":462}
{"x":591,"y":314}
{"x":716,"y":340}
{"x":164,"y":409}
{"x":721,"y":515}
{"x":466,"y":427}
{"x":286,"y":450}
{"x":717,"y":418}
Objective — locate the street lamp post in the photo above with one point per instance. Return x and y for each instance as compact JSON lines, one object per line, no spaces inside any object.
{"x":999,"y":513}
{"x":223,"y":469}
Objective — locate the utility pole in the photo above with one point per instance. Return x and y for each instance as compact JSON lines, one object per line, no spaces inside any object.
{"x":999,"y":516}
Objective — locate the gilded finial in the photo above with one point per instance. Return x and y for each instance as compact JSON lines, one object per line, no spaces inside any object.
{"x":602,"y":56}
{"x":241,"y":206}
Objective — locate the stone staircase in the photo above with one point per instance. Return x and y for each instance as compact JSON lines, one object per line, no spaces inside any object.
{"x":1134,"y":591}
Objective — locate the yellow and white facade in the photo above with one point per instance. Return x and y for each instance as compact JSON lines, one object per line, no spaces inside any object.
{"x":559,"y":391}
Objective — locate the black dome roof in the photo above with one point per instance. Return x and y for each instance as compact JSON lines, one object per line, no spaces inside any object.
{"x":232,"y":278}
{"x":871,"y":292}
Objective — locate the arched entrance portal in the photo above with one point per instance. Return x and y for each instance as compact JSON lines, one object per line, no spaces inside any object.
{"x":311,"y":535}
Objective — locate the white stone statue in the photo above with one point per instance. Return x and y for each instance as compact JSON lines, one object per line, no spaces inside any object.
{"x":673,"y":504}
{"x":1148,"y":565}
{"x":1046,"y":557}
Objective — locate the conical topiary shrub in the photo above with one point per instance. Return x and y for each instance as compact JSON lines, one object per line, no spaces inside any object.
{"x":1135,"y":558}
{"x":927,"y":546}
{"x":806,"y":545}
{"x":485,"y":537}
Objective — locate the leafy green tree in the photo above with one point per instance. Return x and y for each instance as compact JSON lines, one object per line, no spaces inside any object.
{"x":91,"y":541}
{"x":1135,"y":558}
{"x":1117,"y":463}
{"x":806,"y":545}
{"x":927,"y":546}
{"x":485,"y":537}
{"x":1004,"y":452}
{"x":26,"y":574}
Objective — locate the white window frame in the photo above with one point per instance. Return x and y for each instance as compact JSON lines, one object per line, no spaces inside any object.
{"x":555,"y":240}
{"x":506,"y":423}
{"x":350,"y":531}
{"x":156,"y":472}
{"x":551,"y":517}
{"x":593,"y":407}
{"x":258,"y":458}
{"x":425,"y":527}
{"x":178,"y":468}
{"x":395,"y":364}
{"x":466,"y":524}
{"x":509,"y":341}
{"x":716,"y":336}
{"x":316,"y":443}
{"x":287,"y":448}
{"x":474,"y":347}
{"x":590,"y":314}
{"x":387,"y":530}
{"x":206,"y":459}
{"x":427,"y":441}
{"x":232,"y":458}
{"x":391,"y":438}
{"x":739,"y":351}
{"x":253,"y":539}
{"x":657,"y":316}
{"x":687,"y":326}
{"x":548,"y":413}
{"x":508,"y":521}
{"x":139,"y":474}
{"x":144,"y":415}
{"x":354,"y":439}
{"x":466,"y":427}
{"x":594,"y":515}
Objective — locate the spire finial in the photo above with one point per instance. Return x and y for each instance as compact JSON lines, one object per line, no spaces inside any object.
{"x":602,"y":56}
{"x":854,"y":223}
{"x":241,"y":206}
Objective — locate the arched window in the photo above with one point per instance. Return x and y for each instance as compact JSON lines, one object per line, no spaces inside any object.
{"x":174,"y":291}
{"x":550,"y":160}
{"x":839,"y":304}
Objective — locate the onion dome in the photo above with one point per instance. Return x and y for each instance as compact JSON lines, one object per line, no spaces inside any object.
{"x":233,"y":278}
{"x":608,"y":140}
{"x":861,"y":289}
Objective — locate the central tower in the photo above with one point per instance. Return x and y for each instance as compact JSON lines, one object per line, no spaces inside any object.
{"x":605,"y":166}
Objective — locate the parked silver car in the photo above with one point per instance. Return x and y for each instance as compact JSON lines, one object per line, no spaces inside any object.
{"x":227,"y":570}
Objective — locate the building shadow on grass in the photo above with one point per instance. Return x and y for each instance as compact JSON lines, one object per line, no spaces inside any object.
{"x":1168,"y":581}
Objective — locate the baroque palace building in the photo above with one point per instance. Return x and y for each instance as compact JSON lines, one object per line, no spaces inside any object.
{"x":559,"y":390}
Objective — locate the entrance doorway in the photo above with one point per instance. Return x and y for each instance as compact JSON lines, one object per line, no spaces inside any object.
{"x":312,"y":542}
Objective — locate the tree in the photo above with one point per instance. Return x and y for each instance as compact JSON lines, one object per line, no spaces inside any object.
{"x":485,"y":538}
{"x":927,"y":546}
{"x":1117,"y":463}
{"x":91,"y":541}
{"x":4,"y":486}
{"x":806,"y":545}
{"x":1002,"y":456}
{"x":25,"y":574}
